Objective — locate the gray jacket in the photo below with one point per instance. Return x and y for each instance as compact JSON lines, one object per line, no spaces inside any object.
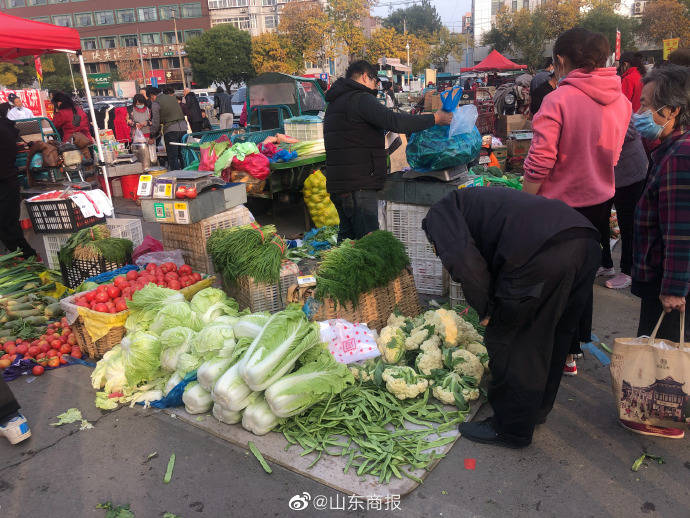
{"x":632,"y":164}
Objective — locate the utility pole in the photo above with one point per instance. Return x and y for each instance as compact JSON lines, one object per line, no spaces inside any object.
{"x":74,"y":86}
{"x":179,"y":51}
{"x":141,"y":56}
{"x":407,"y":47}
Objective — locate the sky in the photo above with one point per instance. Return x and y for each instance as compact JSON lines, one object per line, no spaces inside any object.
{"x":450,"y":11}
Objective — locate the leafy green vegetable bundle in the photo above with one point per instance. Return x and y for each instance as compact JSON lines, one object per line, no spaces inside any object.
{"x":92,"y":243}
{"x":356,"y":267}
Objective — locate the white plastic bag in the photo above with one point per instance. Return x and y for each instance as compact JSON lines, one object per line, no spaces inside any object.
{"x":464,"y":119}
{"x":166,"y":256}
{"x":349,"y":342}
{"x":138,"y":136}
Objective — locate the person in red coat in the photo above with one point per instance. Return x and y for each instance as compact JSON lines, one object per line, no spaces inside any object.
{"x":69,"y":119}
{"x":631,"y":69}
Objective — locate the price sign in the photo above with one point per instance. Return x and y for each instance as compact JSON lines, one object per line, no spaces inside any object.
{"x":145,"y":186}
{"x":181,"y":213}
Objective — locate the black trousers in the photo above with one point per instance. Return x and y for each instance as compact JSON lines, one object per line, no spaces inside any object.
{"x":650,"y":311}
{"x":174,"y":152}
{"x":625,"y":201}
{"x":358,"y":212}
{"x":536,"y":315}
{"x":11,"y":233}
{"x":8,"y":404}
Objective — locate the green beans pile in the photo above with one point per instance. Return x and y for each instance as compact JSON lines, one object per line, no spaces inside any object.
{"x":367,"y":425}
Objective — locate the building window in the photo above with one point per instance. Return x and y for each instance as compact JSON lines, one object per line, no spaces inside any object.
{"x":174,"y":62}
{"x":128,"y":40}
{"x":125,"y":16}
{"x":147,"y":14}
{"x":105,"y":17}
{"x":226,"y":4}
{"x":108,"y":42}
{"x":515,"y":3}
{"x":151,"y":38}
{"x":191,"y":10}
{"x":270,"y":21}
{"x":65,"y":20}
{"x":169,"y":37}
{"x":525,"y":4}
{"x":188,"y":35}
{"x":32,"y":3}
{"x":44,"y":19}
{"x":91,"y":68}
{"x":268,"y":2}
{"x":89,"y":44}
{"x":58,"y":1}
{"x":156,"y":63}
{"x":83,"y":19}
{"x":241,"y":22}
{"x":15,"y":3}
{"x":167,"y":12}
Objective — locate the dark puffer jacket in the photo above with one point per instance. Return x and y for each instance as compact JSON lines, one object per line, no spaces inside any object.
{"x":353,"y":131}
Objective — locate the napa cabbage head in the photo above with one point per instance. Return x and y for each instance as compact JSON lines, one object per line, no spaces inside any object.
{"x":315,"y":381}
{"x":249,"y":326}
{"x":273,"y":353}
{"x":211,"y":303}
{"x":109,"y":373}
{"x":175,"y":342}
{"x":175,"y":315}
{"x":214,"y":338}
{"x":196,"y":399}
{"x":140,"y":357}
{"x":146,"y":304}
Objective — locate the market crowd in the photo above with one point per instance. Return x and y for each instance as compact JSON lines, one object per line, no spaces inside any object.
{"x":527,"y":261}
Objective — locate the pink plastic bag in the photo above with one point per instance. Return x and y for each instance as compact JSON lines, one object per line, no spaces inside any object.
{"x":149,"y":244}
{"x":257,"y":165}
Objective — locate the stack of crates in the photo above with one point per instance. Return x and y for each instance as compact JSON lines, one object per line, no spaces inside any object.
{"x":127,"y":228}
{"x":486,"y":117}
{"x":404,"y":221}
{"x":306,"y":127}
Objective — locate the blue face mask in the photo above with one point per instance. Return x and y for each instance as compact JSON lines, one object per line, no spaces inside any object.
{"x":645,"y":125}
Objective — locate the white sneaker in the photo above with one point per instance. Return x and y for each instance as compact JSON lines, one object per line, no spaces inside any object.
{"x":16,"y":429}
{"x":606,"y":272}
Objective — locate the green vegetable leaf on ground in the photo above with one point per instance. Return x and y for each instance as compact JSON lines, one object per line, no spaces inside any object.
{"x":169,"y":470}
{"x":640,"y":460}
{"x":72,"y":415}
{"x":120,"y":511}
{"x":259,"y":457}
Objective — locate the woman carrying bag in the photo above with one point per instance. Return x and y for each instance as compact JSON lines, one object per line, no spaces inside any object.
{"x":139,"y":118}
{"x":661,"y":258}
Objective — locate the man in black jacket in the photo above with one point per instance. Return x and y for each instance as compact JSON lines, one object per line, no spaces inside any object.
{"x":222,"y":102}
{"x":526,"y":265}
{"x":356,"y":159}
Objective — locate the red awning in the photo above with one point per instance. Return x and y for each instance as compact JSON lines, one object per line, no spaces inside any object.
{"x":494,"y":61}
{"x":20,"y":37}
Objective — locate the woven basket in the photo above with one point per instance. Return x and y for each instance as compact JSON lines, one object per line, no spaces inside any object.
{"x":96,"y":348}
{"x":375,"y":306}
{"x":258,"y":296}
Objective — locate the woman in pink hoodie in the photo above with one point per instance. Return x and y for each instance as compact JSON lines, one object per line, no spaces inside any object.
{"x":578,"y":135}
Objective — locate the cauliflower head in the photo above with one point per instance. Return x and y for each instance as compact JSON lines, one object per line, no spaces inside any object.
{"x":363,"y":371}
{"x":452,"y":390}
{"x":391,"y":344}
{"x":431,"y":357}
{"x":417,"y":336}
{"x":454,"y":329}
{"x":403,"y":382}
{"x":464,"y":363}
{"x":480,"y":352}
{"x":396,"y":320}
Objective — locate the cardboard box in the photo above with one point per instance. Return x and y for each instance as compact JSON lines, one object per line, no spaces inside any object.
{"x":432,"y":102}
{"x":518,"y":148}
{"x":508,"y":123}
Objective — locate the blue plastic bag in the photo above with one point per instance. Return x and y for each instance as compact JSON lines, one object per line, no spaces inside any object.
{"x":464,"y":119}
{"x":434,"y":149}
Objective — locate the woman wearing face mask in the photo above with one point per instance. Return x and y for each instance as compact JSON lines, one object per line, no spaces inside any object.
{"x":578,"y":135}
{"x":139,"y":116}
{"x":661,"y":260}
{"x":631,"y":71}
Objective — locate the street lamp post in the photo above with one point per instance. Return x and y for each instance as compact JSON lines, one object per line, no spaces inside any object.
{"x":407,"y":47}
{"x":179,"y":51}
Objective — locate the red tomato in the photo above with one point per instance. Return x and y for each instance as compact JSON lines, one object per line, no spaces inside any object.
{"x":9,"y":342}
{"x":132,"y":275}
{"x":196,"y":277}
{"x":65,"y":349}
{"x":10,"y":357}
{"x":174,"y":285}
{"x":63,"y":360}
{"x":101,"y":308}
{"x":63,"y":338}
{"x":120,"y":281}
{"x":101,"y":288}
{"x":83,"y":303}
{"x":171,"y":275}
{"x":56,"y":344}
{"x":72,"y":339}
{"x":185,"y":269}
{"x":50,"y":331}
{"x":90,"y":295}
{"x":37,"y":370}
{"x":52,"y":353}
{"x":76,"y":353}
{"x":54,"y":362}
{"x":10,"y":348}
{"x":114,"y":292}
{"x":34,"y":350}
{"x":151,"y":267}
{"x":168,"y":267}
{"x":64,"y":321}
{"x":120,"y":305}
{"x":66,"y":332}
{"x":110,"y":305}
{"x":101,"y":297}
{"x":40,"y":356}
{"x":44,"y":347}
{"x":22,"y":349}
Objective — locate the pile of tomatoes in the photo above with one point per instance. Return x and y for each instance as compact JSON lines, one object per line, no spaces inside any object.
{"x":50,"y":349}
{"x":112,"y":298}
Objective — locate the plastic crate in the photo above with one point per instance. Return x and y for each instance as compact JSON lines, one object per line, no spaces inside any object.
{"x":126,"y":228}
{"x":455,"y":294}
{"x":80,"y":270}
{"x":58,"y":216}
{"x":52,"y":244}
{"x":258,"y":296}
{"x":192,"y":239}
{"x":404,"y":221}
{"x":430,"y":277}
{"x":304,"y":129}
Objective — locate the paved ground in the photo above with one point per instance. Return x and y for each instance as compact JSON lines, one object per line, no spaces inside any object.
{"x":578,"y":465}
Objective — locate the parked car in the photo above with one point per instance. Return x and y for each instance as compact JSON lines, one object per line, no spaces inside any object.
{"x":238,"y":100}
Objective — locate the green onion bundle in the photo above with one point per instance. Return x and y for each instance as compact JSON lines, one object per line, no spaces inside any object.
{"x":367,"y":425}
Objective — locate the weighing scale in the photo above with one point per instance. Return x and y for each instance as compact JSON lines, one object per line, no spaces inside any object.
{"x":444,"y":175}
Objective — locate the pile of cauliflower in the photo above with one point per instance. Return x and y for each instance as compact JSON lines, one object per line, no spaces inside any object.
{"x":438,"y":349}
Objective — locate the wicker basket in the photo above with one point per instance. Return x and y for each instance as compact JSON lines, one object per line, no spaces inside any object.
{"x":96,"y":348}
{"x":192,"y":239}
{"x":375,"y":306}
{"x":258,"y":296}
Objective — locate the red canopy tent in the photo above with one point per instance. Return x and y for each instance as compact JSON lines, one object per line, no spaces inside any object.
{"x":20,"y":37}
{"x":495,"y":61}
